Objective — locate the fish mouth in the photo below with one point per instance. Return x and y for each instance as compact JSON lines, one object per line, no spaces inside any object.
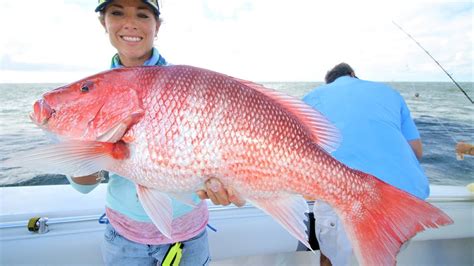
{"x":42,"y":112}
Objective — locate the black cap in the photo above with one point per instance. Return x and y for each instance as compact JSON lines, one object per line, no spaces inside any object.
{"x":152,"y":3}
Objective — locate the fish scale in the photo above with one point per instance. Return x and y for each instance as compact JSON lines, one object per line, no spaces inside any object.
{"x":169,"y":129}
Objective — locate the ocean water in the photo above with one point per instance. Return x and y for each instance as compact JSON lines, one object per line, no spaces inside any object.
{"x":441,"y":112}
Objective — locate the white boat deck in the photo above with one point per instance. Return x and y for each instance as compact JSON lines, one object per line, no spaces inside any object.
{"x":245,"y":236}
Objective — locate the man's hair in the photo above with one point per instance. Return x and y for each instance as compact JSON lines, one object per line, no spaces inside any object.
{"x":339,"y":70}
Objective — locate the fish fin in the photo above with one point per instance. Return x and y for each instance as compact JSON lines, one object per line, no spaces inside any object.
{"x":289,"y":210}
{"x":185,"y":197}
{"x":158,"y":207}
{"x":114,"y":134}
{"x":75,"y":158}
{"x":323,"y":132}
{"x":115,"y":117}
{"x":379,"y":225}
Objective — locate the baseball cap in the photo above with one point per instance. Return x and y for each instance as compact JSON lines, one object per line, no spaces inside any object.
{"x":152,"y":3}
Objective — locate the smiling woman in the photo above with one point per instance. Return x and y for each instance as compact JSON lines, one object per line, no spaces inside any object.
{"x":132,"y":26}
{"x":214,"y":42}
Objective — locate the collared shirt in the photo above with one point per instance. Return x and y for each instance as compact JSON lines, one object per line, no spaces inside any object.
{"x":155,"y":60}
{"x":376,"y":126}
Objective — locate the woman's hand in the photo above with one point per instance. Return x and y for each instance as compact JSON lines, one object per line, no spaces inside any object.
{"x":220,"y":195}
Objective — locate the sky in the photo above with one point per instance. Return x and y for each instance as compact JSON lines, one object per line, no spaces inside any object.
{"x":258,"y":40}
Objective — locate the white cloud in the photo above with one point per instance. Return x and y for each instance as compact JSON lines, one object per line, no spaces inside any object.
{"x":54,"y":36}
{"x":260,"y":40}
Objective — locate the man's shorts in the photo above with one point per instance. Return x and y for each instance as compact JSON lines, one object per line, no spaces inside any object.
{"x":332,"y":238}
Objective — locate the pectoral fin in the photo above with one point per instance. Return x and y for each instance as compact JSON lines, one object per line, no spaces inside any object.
{"x":114,"y":134}
{"x":289,"y":210}
{"x":75,"y":158}
{"x":186,"y":198}
{"x":116,"y":116}
{"x":158,"y":207}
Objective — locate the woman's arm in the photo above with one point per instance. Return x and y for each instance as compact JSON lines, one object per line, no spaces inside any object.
{"x":88,"y":179}
{"x":86,"y":184}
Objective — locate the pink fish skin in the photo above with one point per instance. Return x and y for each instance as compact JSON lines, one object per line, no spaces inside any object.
{"x":169,"y":129}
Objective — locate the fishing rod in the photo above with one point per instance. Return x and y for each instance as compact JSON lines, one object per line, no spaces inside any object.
{"x":463,"y":91}
{"x":439,"y":122}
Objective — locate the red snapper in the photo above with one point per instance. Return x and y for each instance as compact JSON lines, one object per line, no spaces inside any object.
{"x":169,"y":129}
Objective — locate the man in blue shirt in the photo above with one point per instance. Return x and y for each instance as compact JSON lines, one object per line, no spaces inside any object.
{"x":379,"y":137}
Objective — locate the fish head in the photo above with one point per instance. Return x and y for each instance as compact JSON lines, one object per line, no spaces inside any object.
{"x":101,"y":107}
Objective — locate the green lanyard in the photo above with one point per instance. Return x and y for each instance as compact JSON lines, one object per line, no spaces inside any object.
{"x":173,"y":256}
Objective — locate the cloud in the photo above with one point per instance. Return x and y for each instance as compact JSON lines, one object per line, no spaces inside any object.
{"x":51,"y":35}
{"x":275,"y":40}
{"x":8,"y":64}
{"x":260,"y":40}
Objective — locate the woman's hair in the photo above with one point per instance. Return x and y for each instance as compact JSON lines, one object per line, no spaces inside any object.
{"x":339,"y":70}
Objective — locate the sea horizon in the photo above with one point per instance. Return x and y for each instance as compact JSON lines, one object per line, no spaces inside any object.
{"x":441,"y":112}
{"x":266,"y":81}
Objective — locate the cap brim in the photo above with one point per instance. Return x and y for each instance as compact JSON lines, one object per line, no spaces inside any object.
{"x":101,"y":7}
{"x":153,"y":6}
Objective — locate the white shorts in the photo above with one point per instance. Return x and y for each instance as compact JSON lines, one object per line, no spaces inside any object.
{"x":332,"y":238}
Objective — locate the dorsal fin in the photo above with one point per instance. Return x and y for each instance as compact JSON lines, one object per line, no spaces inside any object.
{"x":323,"y":132}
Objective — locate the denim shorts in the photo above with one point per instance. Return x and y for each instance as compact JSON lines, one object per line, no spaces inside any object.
{"x":117,"y":250}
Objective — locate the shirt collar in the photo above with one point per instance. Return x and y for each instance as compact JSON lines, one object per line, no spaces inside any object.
{"x":343,"y":79}
{"x":154,"y":60}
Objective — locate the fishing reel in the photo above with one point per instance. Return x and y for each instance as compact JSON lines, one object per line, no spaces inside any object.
{"x":38,"y":225}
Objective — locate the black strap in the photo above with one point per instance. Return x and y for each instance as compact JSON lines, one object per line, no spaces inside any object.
{"x":313,"y":242}
{"x":310,"y":229}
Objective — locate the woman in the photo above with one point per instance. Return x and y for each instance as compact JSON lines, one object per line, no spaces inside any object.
{"x":131,"y":238}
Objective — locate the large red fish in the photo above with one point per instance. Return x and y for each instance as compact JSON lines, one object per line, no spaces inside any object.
{"x":169,"y":129}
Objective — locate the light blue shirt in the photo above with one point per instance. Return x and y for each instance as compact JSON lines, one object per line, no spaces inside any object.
{"x":121,"y":192}
{"x":375,"y":125}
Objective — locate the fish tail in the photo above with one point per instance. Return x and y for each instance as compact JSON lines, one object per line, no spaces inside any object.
{"x":379,"y":226}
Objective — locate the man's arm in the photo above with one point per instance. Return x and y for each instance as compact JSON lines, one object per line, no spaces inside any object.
{"x":417,"y":148}
{"x":464,"y":148}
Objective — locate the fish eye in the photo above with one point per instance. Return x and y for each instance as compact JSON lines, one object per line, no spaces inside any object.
{"x":85,"y":88}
